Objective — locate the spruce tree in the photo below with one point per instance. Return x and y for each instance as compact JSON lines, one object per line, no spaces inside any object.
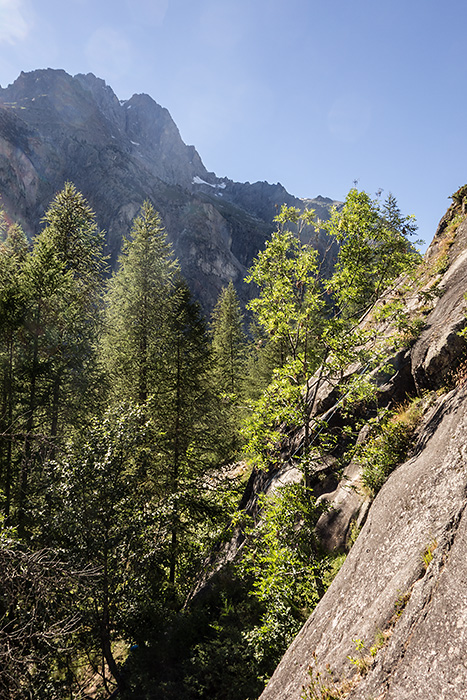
{"x":228,"y":342}
{"x":158,"y":358}
{"x":188,"y":444}
{"x":63,"y":279}
{"x":13,"y":252}
{"x":138,"y":302}
{"x":230,"y":357}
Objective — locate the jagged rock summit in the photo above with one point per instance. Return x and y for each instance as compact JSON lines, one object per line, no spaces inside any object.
{"x":56,"y":128}
{"x":393,"y":624}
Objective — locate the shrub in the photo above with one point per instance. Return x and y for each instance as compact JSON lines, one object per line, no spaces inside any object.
{"x":389,"y":447}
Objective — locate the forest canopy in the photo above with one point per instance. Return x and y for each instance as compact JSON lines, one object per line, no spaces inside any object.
{"x":129,"y":427}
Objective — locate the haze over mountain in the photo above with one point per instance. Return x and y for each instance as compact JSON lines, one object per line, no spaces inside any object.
{"x":56,"y":128}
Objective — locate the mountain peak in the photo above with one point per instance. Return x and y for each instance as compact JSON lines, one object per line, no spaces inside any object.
{"x":56,"y":128}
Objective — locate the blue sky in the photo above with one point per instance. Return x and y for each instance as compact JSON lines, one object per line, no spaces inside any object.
{"x":315,"y":94}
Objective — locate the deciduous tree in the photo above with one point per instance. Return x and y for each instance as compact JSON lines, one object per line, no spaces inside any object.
{"x":319,"y":319}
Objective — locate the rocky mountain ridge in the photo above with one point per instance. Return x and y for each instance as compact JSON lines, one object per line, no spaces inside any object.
{"x":393,"y":624}
{"x":56,"y":128}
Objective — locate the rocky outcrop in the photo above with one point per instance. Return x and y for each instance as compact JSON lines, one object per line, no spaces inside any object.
{"x":393,"y":624}
{"x":439,"y":346}
{"x":55,"y":128}
{"x":385,"y":586}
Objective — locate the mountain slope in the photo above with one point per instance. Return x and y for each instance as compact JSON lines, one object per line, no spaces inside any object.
{"x":402,"y":590}
{"x":55,"y":128}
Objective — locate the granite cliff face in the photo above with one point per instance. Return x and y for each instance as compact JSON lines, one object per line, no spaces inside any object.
{"x":402,"y":589}
{"x":55,"y":128}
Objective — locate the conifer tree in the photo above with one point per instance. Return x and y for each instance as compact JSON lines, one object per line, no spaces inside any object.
{"x":188,"y":443}
{"x":72,"y":234}
{"x":62,"y":279}
{"x":157,"y":355}
{"x":230,"y":356}
{"x":13,"y":252}
{"x":228,"y":342}
{"x":138,"y":300}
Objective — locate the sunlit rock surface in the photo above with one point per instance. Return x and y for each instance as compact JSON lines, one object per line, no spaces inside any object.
{"x":403,"y":587}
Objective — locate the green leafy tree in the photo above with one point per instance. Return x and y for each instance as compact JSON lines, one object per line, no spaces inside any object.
{"x":104,"y":518}
{"x":318,"y":320}
{"x":374,"y":249}
{"x":283,"y":560}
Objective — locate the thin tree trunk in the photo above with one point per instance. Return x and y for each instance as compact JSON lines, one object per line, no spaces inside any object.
{"x":8,"y":465}
{"x":27,"y":455}
{"x":106,"y":645}
{"x":55,"y":410}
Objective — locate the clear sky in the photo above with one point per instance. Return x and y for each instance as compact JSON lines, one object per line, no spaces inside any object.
{"x":315,"y":94}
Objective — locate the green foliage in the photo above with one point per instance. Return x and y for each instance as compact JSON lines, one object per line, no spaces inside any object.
{"x":184,"y":411}
{"x":51,"y":375}
{"x":401,"y":602}
{"x":265,"y":354}
{"x":13,"y":305}
{"x":229,"y":355}
{"x":336,"y":562}
{"x":139,"y":494}
{"x":138,"y":307}
{"x":103,"y":517}
{"x":460,"y":195}
{"x":408,"y":325}
{"x":280,"y":406}
{"x":388,"y":446}
{"x":228,"y":342}
{"x":286,"y":273}
{"x":227,"y":646}
{"x":317,"y":321}
{"x":427,"y":555}
{"x":221,"y":664}
{"x":39,"y":617}
{"x":363,"y":660}
{"x":283,"y":560}
{"x":157,"y":353}
{"x":374,"y":250}
{"x":109,"y":460}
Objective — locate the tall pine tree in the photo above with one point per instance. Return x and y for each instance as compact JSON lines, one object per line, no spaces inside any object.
{"x":229,"y":350}
{"x":138,"y":306}
{"x":157,"y":355}
{"x":228,"y":341}
{"x":62,"y":279}
{"x":13,"y":253}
